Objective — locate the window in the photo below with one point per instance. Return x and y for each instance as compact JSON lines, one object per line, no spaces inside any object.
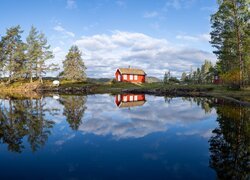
{"x":136,"y":77}
{"x":125,"y":99}
{"x":136,"y":98}
{"x":125,"y":76}
{"x":131,"y":77}
{"x":130,"y":98}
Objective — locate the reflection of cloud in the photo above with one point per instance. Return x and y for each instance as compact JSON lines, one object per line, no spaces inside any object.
{"x":203,"y":133}
{"x":103,"y":118}
{"x":68,"y":137}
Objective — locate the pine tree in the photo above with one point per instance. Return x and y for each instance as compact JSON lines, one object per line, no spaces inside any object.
{"x":33,"y":52}
{"x":184,"y":77}
{"x":45,"y":54}
{"x":230,"y":36}
{"x":1,"y":58}
{"x":166,"y":77}
{"x":74,"y":68}
{"x":13,"y":55}
{"x":205,"y":71}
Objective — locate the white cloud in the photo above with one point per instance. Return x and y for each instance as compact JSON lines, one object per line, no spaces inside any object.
{"x":151,"y":14}
{"x":121,"y":3}
{"x":59,"y":28}
{"x":179,"y":4}
{"x":103,"y":53}
{"x":71,"y":4}
{"x":201,"y":37}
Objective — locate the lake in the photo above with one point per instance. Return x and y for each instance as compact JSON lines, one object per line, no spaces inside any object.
{"x":123,"y":137}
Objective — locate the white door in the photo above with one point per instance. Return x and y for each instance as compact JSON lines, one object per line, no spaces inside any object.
{"x":119,"y":77}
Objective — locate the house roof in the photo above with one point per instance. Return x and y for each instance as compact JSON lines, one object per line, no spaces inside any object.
{"x":131,"y":71}
{"x":131,"y":104}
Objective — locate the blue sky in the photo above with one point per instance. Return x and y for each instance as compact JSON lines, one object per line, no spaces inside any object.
{"x":156,"y":35}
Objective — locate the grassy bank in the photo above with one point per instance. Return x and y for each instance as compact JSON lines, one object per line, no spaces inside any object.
{"x":25,"y":88}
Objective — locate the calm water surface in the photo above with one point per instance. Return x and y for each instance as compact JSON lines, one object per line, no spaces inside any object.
{"x":123,"y":137}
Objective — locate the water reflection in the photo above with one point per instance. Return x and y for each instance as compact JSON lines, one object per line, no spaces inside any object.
{"x":24,"y":118}
{"x":130,"y":100}
{"x":230,"y":143}
{"x":74,"y":107}
{"x":177,"y":136}
{"x":155,"y":116}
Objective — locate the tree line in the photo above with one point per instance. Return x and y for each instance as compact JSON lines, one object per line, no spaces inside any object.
{"x":29,"y":59}
{"x":230,"y":36}
{"x":30,"y":118}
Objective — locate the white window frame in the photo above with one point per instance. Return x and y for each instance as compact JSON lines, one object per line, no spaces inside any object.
{"x":125,"y":99}
{"x":119,"y":97}
{"x":135,"y":77}
{"x":131,"y":98}
{"x":135,"y":98}
{"x":131,"y":77}
{"x":125,"y":76}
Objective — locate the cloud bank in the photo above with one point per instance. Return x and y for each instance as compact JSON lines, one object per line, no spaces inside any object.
{"x":104,"y":53}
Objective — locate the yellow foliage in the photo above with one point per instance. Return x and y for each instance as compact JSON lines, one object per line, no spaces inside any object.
{"x":231,"y":77}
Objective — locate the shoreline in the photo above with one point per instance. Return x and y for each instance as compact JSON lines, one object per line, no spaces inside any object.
{"x":36,"y":90}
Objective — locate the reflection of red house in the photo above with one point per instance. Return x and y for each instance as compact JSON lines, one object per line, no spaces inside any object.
{"x":129,"y":100}
{"x":130,"y":75}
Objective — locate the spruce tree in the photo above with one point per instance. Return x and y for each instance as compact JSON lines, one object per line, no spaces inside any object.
{"x":74,"y":68}
{"x":230,"y":36}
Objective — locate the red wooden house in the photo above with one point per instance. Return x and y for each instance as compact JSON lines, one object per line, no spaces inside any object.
{"x":129,"y":100}
{"x":130,"y":75}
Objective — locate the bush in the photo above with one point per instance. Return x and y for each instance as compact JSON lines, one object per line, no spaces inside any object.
{"x":231,"y":78}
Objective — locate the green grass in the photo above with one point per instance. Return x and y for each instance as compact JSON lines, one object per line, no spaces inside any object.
{"x":118,"y":87}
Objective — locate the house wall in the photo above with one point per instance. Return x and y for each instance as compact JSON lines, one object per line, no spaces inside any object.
{"x":140,"y":78}
{"x":117,"y":73}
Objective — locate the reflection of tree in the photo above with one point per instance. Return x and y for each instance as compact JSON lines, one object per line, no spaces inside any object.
{"x":204,"y":103}
{"x":20,"y":118}
{"x":230,"y":144}
{"x":74,"y":107}
{"x":38,"y":127}
{"x":168,"y":99}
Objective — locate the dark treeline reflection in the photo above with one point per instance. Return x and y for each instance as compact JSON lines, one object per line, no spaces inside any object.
{"x":74,"y":108}
{"x":230,"y":142}
{"x":19,"y":118}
